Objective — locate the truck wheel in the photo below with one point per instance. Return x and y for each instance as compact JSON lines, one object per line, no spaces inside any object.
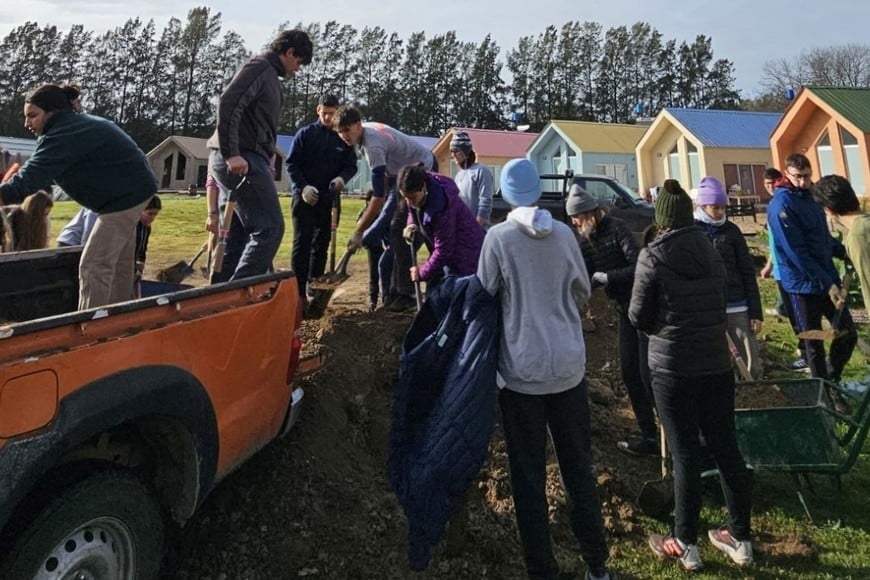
{"x":107,"y":526}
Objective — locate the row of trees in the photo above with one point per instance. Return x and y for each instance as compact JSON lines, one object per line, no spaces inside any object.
{"x":159,"y":83}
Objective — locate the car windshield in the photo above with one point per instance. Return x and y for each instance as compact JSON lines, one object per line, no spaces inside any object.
{"x":605,"y":190}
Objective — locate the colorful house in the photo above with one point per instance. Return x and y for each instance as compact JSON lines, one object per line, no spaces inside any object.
{"x":831,"y":126}
{"x":494,"y":148}
{"x":591,"y":148}
{"x":687,"y":144}
{"x":179,"y":162}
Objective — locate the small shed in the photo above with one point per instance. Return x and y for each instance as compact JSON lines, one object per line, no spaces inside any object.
{"x":590,"y":148}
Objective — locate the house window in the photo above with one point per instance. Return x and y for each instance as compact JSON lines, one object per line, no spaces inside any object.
{"x":674,"y":164}
{"x":748,"y":176}
{"x":826,"y":154}
{"x":616,"y":170}
{"x":852,"y":156}
{"x":180,"y":167}
{"x":556,"y":160}
{"x":694,"y":166}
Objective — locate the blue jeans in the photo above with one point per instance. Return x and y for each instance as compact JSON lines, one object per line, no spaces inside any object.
{"x":705,"y":404}
{"x":527,"y":420}
{"x":259,"y":212}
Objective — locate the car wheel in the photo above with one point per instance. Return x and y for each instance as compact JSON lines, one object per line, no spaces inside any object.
{"x":107,"y":526}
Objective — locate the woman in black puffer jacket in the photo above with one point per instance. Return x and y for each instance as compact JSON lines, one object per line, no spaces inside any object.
{"x":679,"y":299}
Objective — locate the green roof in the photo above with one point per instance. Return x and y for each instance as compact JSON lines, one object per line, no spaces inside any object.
{"x":852,"y":103}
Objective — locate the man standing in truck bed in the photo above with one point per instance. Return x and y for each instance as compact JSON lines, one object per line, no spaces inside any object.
{"x":244,"y":142}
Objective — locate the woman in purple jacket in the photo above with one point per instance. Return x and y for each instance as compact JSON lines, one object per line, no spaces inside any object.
{"x":448,"y":228}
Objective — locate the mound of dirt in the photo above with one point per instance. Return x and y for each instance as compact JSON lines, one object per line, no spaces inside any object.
{"x":318,"y":504}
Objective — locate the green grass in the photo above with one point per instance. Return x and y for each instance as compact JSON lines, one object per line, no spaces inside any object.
{"x":788,"y":545}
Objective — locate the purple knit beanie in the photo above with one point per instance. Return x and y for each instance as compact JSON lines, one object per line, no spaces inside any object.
{"x":711,"y":192}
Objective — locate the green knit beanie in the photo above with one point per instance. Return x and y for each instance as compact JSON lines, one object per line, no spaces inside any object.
{"x":673,"y":206}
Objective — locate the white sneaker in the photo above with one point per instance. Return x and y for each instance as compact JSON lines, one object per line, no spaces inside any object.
{"x":739,"y":552}
{"x":671,"y":547}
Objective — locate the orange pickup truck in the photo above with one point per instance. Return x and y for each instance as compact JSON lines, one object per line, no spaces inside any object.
{"x":117,"y":422}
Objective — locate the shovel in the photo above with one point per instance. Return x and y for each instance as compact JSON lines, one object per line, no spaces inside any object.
{"x":226,"y":221}
{"x":834,"y":331}
{"x":176,"y":273}
{"x":417,"y":293}
{"x":738,"y":359}
{"x":656,"y":497}
{"x":324,"y":287}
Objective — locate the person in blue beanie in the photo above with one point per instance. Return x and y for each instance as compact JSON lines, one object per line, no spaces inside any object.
{"x":541,"y":369}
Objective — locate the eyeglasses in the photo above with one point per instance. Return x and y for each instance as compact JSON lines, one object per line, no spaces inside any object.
{"x":806,"y":175}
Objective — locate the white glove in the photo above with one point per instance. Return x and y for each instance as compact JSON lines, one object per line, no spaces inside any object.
{"x":310,"y":195}
{"x":336,"y":185}
{"x":355,"y":242}
{"x":408,"y":233}
{"x":599,"y":278}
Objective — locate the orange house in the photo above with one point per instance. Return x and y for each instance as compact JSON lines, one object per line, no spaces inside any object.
{"x":831,"y":126}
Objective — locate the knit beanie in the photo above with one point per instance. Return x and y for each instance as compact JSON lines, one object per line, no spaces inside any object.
{"x":673,"y":206}
{"x":520,"y":184}
{"x":461,"y":142}
{"x":579,"y":201}
{"x":711,"y":192}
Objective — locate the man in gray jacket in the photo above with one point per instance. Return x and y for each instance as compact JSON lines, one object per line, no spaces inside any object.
{"x":541,"y":369}
{"x":243,"y":145}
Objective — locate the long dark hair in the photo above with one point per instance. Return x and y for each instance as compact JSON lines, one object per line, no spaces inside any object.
{"x":412,"y":178}
{"x":50,"y":97}
{"x":29,"y":227}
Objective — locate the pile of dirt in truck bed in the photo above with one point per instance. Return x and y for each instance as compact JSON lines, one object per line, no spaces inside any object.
{"x":318,"y":504}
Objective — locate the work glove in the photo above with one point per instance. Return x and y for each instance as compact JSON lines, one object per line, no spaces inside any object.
{"x":355,"y":242}
{"x":599,"y":279}
{"x":409,"y":232}
{"x":336,"y":185}
{"x":310,"y":195}
{"x":837,"y":295}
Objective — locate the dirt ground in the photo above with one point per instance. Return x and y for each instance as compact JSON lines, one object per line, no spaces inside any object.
{"x":318,"y":503}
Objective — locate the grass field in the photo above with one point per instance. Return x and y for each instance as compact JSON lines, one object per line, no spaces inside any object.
{"x":789,"y":545}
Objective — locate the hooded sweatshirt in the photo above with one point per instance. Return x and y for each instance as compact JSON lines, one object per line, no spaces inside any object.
{"x":534,"y":266}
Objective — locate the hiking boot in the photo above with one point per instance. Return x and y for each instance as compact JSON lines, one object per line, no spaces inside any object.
{"x":799,"y":366}
{"x":639,"y":446}
{"x":401,"y":303}
{"x":671,"y":547}
{"x":739,"y":552}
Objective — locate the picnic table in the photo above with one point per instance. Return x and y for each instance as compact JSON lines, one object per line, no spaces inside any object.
{"x":742,"y":205}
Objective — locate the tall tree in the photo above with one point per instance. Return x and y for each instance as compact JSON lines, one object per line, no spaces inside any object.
{"x":29,"y":56}
{"x":846,"y":65}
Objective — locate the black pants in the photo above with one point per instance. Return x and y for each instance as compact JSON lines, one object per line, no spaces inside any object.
{"x":688,"y":406}
{"x":526,"y":419}
{"x":635,"y":375}
{"x":312,"y":229}
{"x":808,"y":311}
{"x":400,"y":282}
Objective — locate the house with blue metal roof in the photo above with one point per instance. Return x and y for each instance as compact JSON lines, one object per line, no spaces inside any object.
{"x":831,"y":126}
{"x":688,"y":144}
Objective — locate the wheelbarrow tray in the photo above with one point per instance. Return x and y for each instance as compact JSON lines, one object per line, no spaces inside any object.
{"x":799,"y":436}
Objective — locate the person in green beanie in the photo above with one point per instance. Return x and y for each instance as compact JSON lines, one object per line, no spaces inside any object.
{"x":679,"y":299}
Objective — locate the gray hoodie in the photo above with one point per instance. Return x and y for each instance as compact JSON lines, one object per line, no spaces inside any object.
{"x":534,"y":264}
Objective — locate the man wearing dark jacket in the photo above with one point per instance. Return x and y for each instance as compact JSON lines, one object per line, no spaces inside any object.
{"x":679,"y":299}
{"x":319,"y":164}
{"x":804,"y":251}
{"x":610,"y":253}
{"x":243,"y":145}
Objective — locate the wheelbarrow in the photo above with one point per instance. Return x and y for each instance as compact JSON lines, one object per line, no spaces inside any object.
{"x":802,"y":434}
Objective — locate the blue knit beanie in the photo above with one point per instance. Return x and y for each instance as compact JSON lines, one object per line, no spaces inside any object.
{"x":520,"y":184}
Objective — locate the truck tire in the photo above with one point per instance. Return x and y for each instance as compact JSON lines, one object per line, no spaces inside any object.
{"x":107,"y":526}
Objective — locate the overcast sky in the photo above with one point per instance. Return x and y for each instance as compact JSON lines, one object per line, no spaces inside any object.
{"x":747,"y":32}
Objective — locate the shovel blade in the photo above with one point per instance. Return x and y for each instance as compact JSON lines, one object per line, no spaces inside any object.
{"x":174,"y":274}
{"x":656,"y":498}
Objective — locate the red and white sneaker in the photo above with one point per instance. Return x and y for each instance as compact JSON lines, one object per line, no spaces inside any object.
{"x":671,"y":547}
{"x":739,"y":552}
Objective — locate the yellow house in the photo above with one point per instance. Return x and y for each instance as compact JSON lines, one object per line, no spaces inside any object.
{"x":831,"y":126}
{"x":688,"y":144}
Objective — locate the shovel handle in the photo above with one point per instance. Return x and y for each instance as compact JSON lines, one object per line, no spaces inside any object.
{"x":741,"y":364}
{"x":417,"y":295}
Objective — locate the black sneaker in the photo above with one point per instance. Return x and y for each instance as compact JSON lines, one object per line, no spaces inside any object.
{"x":799,"y":366}
{"x":401,"y":303}
{"x":639,"y":446}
